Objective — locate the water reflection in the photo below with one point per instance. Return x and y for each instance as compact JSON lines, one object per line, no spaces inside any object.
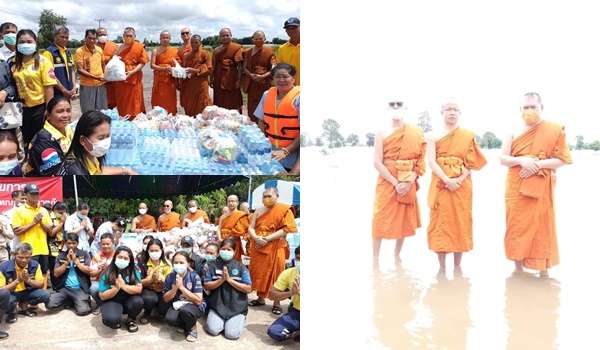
{"x":531,"y":312}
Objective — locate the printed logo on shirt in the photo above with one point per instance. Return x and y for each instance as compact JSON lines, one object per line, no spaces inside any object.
{"x":58,"y":60}
{"x":51,"y":73}
{"x":234,"y":272}
{"x":50,"y":159}
{"x":189,"y":285}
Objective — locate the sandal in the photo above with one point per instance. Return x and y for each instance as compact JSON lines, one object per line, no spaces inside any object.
{"x":11,"y":318}
{"x":28,"y":313}
{"x":277,"y":310}
{"x":255,"y":303}
{"x":145,"y":319}
{"x":131,"y":326}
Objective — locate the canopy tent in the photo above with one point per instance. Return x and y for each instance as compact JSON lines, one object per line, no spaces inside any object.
{"x":289,"y":193}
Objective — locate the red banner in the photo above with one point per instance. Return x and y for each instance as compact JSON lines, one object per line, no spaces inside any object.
{"x":51,"y":189}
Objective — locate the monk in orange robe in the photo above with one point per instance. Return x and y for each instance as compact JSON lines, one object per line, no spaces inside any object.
{"x":400,"y":160}
{"x":195,"y":216}
{"x":258,"y":62}
{"x":169,"y":219}
{"x":143,"y":222}
{"x":451,"y":153}
{"x":130,"y":92}
{"x":186,"y":34}
{"x":198,"y":65}
{"x":268,"y":228}
{"x":108,"y":50}
{"x":164,"y":88}
{"x":245,"y":207}
{"x":234,"y":224}
{"x":226,"y":78}
{"x":532,"y":154}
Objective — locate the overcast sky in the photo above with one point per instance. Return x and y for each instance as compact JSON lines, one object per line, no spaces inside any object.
{"x":485,"y":54}
{"x":149,"y":18}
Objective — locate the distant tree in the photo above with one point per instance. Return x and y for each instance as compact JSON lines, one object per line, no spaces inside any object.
{"x":331,"y":131}
{"x":370,"y":139}
{"x":352,"y":140}
{"x":119,"y":39}
{"x":279,"y":41}
{"x":48,"y":22}
{"x":246,"y":41}
{"x":490,"y":141}
{"x":423,"y":122}
{"x":594,"y":145}
{"x":209,"y":40}
{"x":305,"y":140}
{"x":478,"y":140}
{"x":319,"y":142}
{"x":579,"y":144}
{"x":338,"y":143}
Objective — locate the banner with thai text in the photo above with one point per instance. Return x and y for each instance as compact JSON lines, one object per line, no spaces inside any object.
{"x":51,"y":189}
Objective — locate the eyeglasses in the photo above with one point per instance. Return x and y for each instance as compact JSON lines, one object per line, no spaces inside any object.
{"x":392,"y":104}
{"x":185,"y":33}
{"x":451,"y":110}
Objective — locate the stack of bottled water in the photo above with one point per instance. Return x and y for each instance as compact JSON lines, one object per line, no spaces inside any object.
{"x":185,"y":156}
{"x":255,"y":148}
{"x":122,"y":149}
{"x":112,"y":113}
{"x":155,"y":156}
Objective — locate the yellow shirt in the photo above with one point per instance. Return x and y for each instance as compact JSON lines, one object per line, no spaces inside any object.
{"x":163,"y":271}
{"x":21,"y":286}
{"x":36,"y":236}
{"x":290,"y":54}
{"x":90,"y":62}
{"x":63,"y":56}
{"x":93,"y":167}
{"x":31,"y":81}
{"x":286,"y":280}
{"x":63,"y":140}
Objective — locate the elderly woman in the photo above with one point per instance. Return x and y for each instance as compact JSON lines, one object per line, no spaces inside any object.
{"x":279,"y":117}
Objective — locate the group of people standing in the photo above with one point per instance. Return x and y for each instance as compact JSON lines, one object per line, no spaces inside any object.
{"x":532,"y":153}
{"x":83,"y":262}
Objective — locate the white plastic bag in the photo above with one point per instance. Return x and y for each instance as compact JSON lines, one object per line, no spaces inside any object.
{"x":177,"y":71}
{"x":115,"y":69}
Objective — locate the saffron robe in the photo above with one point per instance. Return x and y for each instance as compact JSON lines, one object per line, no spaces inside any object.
{"x":164,"y":88}
{"x":260,"y":62}
{"x":168,"y":222}
{"x":235,"y":226}
{"x":224,"y":63}
{"x":129,"y":94}
{"x":108,"y":51}
{"x":146,"y":222}
{"x":190,"y":219}
{"x":195,"y":96}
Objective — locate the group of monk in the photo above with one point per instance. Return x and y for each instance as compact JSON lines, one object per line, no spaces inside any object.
{"x":265,"y":232}
{"x":532,"y":152}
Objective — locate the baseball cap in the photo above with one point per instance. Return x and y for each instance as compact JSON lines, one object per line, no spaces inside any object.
{"x":292,"y":21}
{"x":187,"y":239}
{"x":31,"y":188}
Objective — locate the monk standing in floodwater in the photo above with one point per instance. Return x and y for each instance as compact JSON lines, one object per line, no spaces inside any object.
{"x":532,"y":153}
{"x":164,"y":91}
{"x":268,"y":228}
{"x":451,"y":153}
{"x":400,"y":160}
{"x":234,"y":224}
{"x":194,"y":94}
{"x":226,"y":78}
{"x":129,"y":93}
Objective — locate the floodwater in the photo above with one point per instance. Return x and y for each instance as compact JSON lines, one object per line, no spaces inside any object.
{"x":412,"y":306}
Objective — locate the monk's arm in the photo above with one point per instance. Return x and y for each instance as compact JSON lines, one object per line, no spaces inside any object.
{"x":240,"y":70}
{"x":136,"y":69}
{"x":551,"y":163}
{"x":49,"y":92}
{"x":219,"y":229}
{"x":431,"y":158}
{"x":378,"y":161}
{"x":276,"y":235}
{"x":133,"y":225}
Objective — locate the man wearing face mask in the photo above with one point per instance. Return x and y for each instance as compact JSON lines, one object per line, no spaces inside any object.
{"x":108,"y":51}
{"x":399,"y":158}
{"x":195,"y":216}
{"x":532,"y":152}
{"x":187,"y":245}
{"x":143,"y":222}
{"x":80,"y":223}
{"x":169,"y":219}
{"x":62,"y":61}
{"x":98,"y":265}
{"x":234,"y":224}
{"x":56,"y":237}
{"x":268,"y":228}
{"x":129,"y":93}
{"x":9,"y":32}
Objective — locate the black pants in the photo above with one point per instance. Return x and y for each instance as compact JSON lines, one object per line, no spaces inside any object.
{"x":33,"y":121}
{"x":113,"y":309}
{"x":185,"y":317}
{"x":51,"y":263}
{"x":43,"y":261}
{"x":152,"y":299}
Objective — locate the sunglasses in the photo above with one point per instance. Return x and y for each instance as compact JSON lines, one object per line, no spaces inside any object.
{"x":392,"y":104}
{"x":185,"y":33}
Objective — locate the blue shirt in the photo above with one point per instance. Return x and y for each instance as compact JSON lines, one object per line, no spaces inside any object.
{"x":191,"y":281}
{"x":245,"y":276}
{"x":72,"y":281}
{"x":103,"y":286}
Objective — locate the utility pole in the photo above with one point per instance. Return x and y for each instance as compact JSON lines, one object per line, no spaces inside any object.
{"x":99,"y":21}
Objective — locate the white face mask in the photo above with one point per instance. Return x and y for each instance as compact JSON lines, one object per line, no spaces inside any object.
{"x":7,"y":166}
{"x":102,"y":39}
{"x":100,"y":147}
{"x":155,"y":255}
{"x":142,"y":211}
{"x":192,"y":209}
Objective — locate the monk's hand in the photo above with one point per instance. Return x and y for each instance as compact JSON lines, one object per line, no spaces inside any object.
{"x":260,"y":242}
{"x":238,"y":83}
{"x":453,"y":184}
{"x":529,"y":163}
{"x":255,"y":77}
{"x":525,"y":173}
{"x":403,"y":187}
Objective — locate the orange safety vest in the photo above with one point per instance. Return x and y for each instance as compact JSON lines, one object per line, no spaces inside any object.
{"x":281,"y":122}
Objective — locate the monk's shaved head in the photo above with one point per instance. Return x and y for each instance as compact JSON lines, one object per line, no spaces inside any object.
{"x":245,"y":207}
{"x":227,"y":29}
{"x":129,"y":30}
{"x":232,"y":202}
{"x":168,"y":202}
{"x":259,"y":32}
{"x":272,"y":190}
{"x":165,"y":32}
{"x":142,"y":205}
{"x":192,"y":203}
{"x":534,"y":95}
{"x":224,"y":210}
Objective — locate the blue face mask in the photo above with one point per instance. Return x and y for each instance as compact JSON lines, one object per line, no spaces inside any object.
{"x":8,"y":166}
{"x":10,"y":38}
{"x":121,"y":264}
{"x":27,"y":49}
{"x":210,"y":258}
{"x":81,"y":216}
{"x":187,"y":250}
{"x":179,"y":268}
{"x":58,"y":215}
{"x":226,"y":255}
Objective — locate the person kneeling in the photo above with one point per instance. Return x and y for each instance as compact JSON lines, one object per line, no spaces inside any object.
{"x":72,"y":271}
{"x":287,"y":326}
{"x":120,"y":288}
{"x":229,"y":284}
{"x":23,"y":278}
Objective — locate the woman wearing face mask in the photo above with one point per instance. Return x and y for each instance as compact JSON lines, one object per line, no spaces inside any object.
{"x":120,"y":288}
{"x":399,"y":159}
{"x":211,"y":253}
{"x":154,"y":270}
{"x":9,"y":147}
{"x":115,"y":227}
{"x":183,"y":294}
{"x":142,"y":255}
{"x":50,"y":144}
{"x":229,"y":284}
{"x":90,"y":143}
{"x":34,"y":76}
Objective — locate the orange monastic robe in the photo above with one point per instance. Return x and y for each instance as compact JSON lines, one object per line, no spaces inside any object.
{"x":108,"y":52}
{"x":396,"y":216}
{"x":190,"y":218}
{"x":130,"y":93}
{"x":147,"y":222}
{"x":268,"y":262}
{"x":450,"y":220}
{"x":164,"y":89}
{"x":195,"y":97}
{"x":530,"y":222}
{"x":260,"y":62}
{"x":235,"y":226}
{"x":226,"y":76}
{"x":170,"y":221}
